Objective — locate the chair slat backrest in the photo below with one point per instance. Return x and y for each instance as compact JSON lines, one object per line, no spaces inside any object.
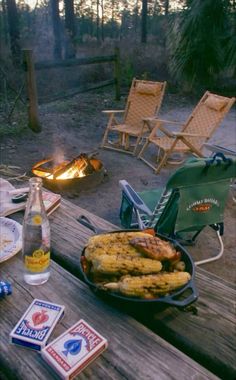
{"x":207,"y":116}
{"x":144,"y":100}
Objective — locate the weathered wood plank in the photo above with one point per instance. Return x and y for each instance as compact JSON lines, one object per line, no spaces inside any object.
{"x":117,"y":72}
{"x":134,"y":352}
{"x":69,"y":241}
{"x":76,"y":91}
{"x":208,"y":334}
{"x":73,"y":62}
{"x":208,"y":337}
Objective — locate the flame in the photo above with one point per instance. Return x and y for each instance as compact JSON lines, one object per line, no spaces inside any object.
{"x":75,"y":171}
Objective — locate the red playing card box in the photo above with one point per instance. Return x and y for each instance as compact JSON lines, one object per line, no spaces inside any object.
{"x":36,"y":325}
{"x":74,"y":350}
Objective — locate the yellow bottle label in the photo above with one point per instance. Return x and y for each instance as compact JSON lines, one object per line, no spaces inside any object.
{"x":37,"y":220}
{"x":38,"y":262}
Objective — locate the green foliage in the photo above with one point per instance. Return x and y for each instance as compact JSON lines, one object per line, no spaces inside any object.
{"x":13,"y":114}
{"x":199,"y":51}
{"x":231,"y":52}
{"x":127,"y":72}
{"x":231,"y":43}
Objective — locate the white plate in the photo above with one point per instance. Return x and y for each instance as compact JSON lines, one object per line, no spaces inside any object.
{"x":10,"y":238}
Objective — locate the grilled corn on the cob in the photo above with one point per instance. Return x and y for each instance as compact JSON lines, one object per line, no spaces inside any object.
{"x":116,"y":237}
{"x":112,"y":250}
{"x":121,"y":265}
{"x":149,"y":286}
{"x":112,"y":244}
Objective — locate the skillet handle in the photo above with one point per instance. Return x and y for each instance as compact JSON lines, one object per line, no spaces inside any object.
{"x":170,"y":300}
{"x":82,"y":219}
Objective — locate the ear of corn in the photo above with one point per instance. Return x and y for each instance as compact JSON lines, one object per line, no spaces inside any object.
{"x":150,"y":286}
{"x":137,"y":257}
{"x":92,"y":253}
{"x":112,"y":244}
{"x":116,"y":237}
{"x":121,"y":265}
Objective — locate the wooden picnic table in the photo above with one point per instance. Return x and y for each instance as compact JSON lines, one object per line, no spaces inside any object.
{"x":160,"y":344}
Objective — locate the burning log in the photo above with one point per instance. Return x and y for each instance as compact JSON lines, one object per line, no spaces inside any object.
{"x":78,"y":167}
{"x":47,"y":170}
{"x":81,"y":163}
{"x":80,"y":173}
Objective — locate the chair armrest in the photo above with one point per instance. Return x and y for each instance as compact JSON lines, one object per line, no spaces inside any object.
{"x":162,"y":121}
{"x":170,"y":122}
{"x":186,"y":134}
{"x":134,"y":197}
{"x":113,"y":111}
{"x":218,"y":148}
{"x":158,"y":125}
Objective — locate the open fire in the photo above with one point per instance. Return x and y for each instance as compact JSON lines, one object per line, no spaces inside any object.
{"x":79,"y":167}
{"x":66,"y":174}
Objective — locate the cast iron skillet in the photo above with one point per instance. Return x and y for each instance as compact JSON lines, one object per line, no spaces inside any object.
{"x":180,"y":298}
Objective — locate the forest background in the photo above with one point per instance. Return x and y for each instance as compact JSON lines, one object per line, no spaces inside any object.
{"x":189,"y":43}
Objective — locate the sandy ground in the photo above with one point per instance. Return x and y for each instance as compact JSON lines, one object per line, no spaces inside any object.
{"x":77,"y":125}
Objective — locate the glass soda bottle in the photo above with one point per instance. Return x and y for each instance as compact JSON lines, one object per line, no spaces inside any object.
{"x":36,"y":237}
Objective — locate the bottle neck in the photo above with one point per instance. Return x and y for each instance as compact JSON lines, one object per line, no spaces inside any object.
{"x":35,"y":201}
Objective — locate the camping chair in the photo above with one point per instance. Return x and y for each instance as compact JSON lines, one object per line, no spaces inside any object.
{"x":226,"y":151}
{"x":193,"y":198}
{"x":197,"y":130}
{"x":144,"y":100}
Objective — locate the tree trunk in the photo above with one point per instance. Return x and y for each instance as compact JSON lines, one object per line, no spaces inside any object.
{"x":4,"y":22}
{"x":70,"y":51}
{"x":102,"y":21}
{"x":97,"y":20}
{"x":112,"y":19}
{"x":14,"y":31}
{"x":167,"y":3}
{"x":144,"y":22}
{"x":136,"y":16}
{"x":56,"y":23}
{"x":33,"y":121}
{"x":166,"y":7}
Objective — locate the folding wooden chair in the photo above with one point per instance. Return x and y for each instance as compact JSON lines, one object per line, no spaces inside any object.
{"x":197,"y":130}
{"x":144,"y":100}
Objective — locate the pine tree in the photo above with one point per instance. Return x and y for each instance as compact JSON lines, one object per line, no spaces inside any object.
{"x":199,"y":52}
{"x":14,"y":30}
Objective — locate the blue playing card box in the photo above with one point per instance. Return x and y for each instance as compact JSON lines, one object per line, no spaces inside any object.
{"x":74,"y":350}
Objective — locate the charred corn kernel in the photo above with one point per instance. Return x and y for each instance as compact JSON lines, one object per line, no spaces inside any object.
{"x":150,"y":285}
{"x":125,"y":265}
{"x":112,"y":244}
{"x":116,"y":237}
{"x":112,"y":250}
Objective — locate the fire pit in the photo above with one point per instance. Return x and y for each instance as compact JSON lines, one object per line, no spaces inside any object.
{"x":81,"y":173}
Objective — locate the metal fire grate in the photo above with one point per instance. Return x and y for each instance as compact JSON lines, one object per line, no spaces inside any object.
{"x":80,"y":173}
